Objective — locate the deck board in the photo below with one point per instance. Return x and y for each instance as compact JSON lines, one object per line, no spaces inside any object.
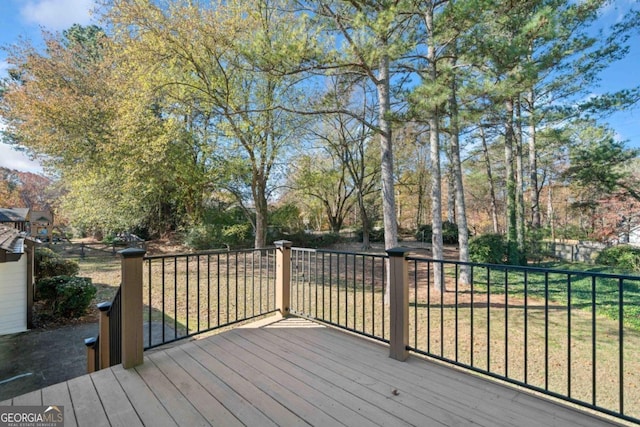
{"x":86,"y":402}
{"x":114,"y":400}
{"x":294,"y":373}
{"x":58,"y":394}
{"x":325,"y":381}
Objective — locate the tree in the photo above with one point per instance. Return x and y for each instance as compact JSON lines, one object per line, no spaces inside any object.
{"x":326,"y":178}
{"x":599,"y":163}
{"x":372,"y":38}
{"x":232,"y":63}
{"x":348,"y":140}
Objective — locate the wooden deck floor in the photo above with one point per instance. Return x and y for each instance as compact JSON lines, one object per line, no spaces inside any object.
{"x":293,"y":373}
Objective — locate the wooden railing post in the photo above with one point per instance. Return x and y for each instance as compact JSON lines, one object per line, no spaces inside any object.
{"x":283,"y":276}
{"x":398,"y":304}
{"x":103,"y":333}
{"x":131,"y":294}
{"x":91,"y":354}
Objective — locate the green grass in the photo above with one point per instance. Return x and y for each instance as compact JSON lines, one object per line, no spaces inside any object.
{"x":587,"y":291}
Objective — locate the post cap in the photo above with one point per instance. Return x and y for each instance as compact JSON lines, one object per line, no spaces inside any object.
{"x":90,"y":342}
{"x":283,"y":244}
{"x":132,"y":253}
{"x":104,"y":306}
{"x":398,"y":252}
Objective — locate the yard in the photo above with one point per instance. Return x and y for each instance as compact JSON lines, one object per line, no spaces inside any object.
{"x":513,"y":331}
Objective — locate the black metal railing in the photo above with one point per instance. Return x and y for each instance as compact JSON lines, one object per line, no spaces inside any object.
{"x":344,"y":289}
{"x":188,"y":294}
{"x":115,"y":330}
{"x":570,"y":334}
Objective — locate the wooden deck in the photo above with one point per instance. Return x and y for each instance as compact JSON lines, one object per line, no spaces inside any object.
{"x":289,"y":373}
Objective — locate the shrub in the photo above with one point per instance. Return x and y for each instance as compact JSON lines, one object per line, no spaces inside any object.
{"x":50,"y":264}
{"x":211,"y":236}
{"x":66,"y":296}
{"x":488,"y":248}
{"x":309,"y":240}
{"x":424,"y":233}
{"x":622,"y":256}
{"x":237,"y":235}
{"x":449,"y":233}
{"x":494,"y":249}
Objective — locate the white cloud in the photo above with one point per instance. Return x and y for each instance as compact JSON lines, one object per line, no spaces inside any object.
{"x":57,"y":14}
{"x":18,"y":160}
{"x":12,"y":159}
{"x":4,"y":66}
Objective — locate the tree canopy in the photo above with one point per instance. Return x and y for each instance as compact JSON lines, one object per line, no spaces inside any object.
{"x":358,"y":110}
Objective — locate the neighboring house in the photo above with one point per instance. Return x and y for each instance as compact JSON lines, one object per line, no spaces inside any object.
{"x":17,"y":218}
{"x":41,"y":224}
{"x":17,"y":253}
{"x":38,"y":224}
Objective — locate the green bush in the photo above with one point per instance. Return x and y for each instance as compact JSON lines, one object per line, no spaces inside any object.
{"x":449,"y":233}
{"x":488,"y":248}
{"x":66,"y":296}
{"x":375,"y":235}
{"x":50,"y":264}
{"x":494,"y":249}
{"x":424,"y":233}
{"x":624,"y":257}
{"x":308,"y":240}
{"x":200,"y":237}
{"x":237,"y":235}
{"x":211,"y":236}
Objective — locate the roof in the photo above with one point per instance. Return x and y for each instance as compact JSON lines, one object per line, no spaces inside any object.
{"x":14,"y":214}
{"x":11,"y":244}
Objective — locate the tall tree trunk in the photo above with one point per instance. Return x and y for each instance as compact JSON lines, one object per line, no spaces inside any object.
{"x":434,"y":144}
{"x":550,"y":212}
{"x":388,"y":193}
{"x":386,"y":153}
{"x":533,"y":164}
{"x":492,"y":189}
{"x":512,"y":234}
{"x":451,"y":192}
{"x":463,"y":230}
{"x":364,"y":221}
{"x":260,"y":200}
{"x":520,"y":211}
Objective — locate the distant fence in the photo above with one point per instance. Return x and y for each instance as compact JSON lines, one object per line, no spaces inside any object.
{"x":582,"y":251}
{"x":90,"y":250}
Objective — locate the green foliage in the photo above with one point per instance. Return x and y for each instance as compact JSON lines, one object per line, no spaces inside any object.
{"x":376,"y":235}
{"x":286,"y":217}
{"x":215,"y":236}
{"x":449,"y":233}
{"x":66,"y":296}
{"x":310,"y":240}
{"x":488,"y":248}
{"x":624,"y":257}
{"x":50,"y":264}
{"x":424,"y":233}
{"x":495,"y":249}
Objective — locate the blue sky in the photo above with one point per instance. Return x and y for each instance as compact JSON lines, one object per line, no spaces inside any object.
{"x":26,"y":18}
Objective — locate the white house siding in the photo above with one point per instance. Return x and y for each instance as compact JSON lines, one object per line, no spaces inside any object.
{"x":13,"y":296}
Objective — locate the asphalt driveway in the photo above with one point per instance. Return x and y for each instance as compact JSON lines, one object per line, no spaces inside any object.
{"x":38,"y":358}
